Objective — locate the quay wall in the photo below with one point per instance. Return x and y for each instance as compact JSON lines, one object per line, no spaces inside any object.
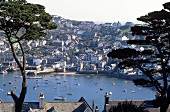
{"x":47,"y":71}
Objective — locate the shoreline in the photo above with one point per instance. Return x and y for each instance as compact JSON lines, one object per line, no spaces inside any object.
{"x":109,"y":74}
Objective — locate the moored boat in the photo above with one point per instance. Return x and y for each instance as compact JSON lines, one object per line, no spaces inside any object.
{"x":34,"y":77}
{"x":9,"y":93}
{"x":70,"y":93}
{"x":113,"y":84}
{"x":3,"y":72}
{"x":59,"y":98}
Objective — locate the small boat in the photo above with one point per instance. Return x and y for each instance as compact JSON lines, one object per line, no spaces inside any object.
{"x":59,"y":98}
{"x":18,"y":76}
{"x":38,"y":85}
{"x":16,"y":80}
{"x":110,"y":93}
{"x":58,"y":82}
{"x":96,"y":84}
{"x":15,"y":87}
{"x":133,"y":91}
{"x":65,"y":80}
{"x":10,"y":82}
{"x":1,"y":90}
{"x":150,"y":91}
{"x":3,"y":72}
{"x":34,"y":77}
{"x":78,"y":84}
{"x":126,"y":81}
{"x":46,"y":82}
{"x":70,"y":93}
{"x":124,"y":90}
{"x":9,"y":93}
{"x":101,"y":88}
{"x":113,"y":84}
{"x":57,"y":78}
{"x":34,"y":87}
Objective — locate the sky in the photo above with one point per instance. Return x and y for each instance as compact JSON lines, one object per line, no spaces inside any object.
{"x":101,"y":10}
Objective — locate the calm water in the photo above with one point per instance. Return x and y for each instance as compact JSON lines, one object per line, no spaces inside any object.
{"x":87,"y":88}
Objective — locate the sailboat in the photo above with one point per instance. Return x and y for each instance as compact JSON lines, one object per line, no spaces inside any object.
{"x":69,"y":92}
{"x":59,"y":97}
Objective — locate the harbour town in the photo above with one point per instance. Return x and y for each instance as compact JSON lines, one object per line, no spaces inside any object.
{"x":49,"y":63}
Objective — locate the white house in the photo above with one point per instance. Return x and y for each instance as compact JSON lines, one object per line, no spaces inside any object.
{"x":96,"y":59}
{"x":2,"y":43}
{"x":34,"y":44}
{"x":80,"y":32}
{"x":42,"y":42}
{"x":37,"y":61}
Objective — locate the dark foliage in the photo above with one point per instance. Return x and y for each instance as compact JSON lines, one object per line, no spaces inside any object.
{"x":126,"y":107}
{"x":156,"y":52}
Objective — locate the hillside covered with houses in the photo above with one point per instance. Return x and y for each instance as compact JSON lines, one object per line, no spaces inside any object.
{"x":79,"y":46}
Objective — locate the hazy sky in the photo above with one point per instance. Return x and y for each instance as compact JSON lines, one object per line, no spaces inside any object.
{"x":101,"y":10}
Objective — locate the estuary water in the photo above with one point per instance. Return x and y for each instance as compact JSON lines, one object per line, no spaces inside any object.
{"x":91,"y":87}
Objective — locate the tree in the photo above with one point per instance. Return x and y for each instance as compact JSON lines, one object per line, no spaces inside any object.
{"x":156,"y":43}
{"x":20,"y":22}
{"x":126,"y":106}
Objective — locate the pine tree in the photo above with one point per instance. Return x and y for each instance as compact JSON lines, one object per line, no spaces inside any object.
{"x":20,"y":22}
{"x":156,"y":44}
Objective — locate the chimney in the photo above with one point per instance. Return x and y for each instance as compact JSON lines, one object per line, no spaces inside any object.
{"x":106,"y":102}
{"x":41,"y":101}
{"x":97,"y":109}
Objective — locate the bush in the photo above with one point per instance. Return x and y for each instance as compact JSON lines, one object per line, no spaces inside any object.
{"x":126,"y":107}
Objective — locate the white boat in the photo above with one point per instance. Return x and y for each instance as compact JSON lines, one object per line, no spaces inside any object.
{"x":125,"y":81}
{"x":124,"y":90}
{"x":3,"y":72}
{"x":57,"y":78}
{"x":34,"y":77}
{"x":9,"y":93}
{"x":110,"y":93}
{"x":70,"y":93}
{"x":133,"y":91}
{"x":78,"y":84}
{"x":59,"y":98}
{"x":18,"y":76}
{"x":65,"y":80}
{"x":113,"y":84}
{"x":38,"y":85}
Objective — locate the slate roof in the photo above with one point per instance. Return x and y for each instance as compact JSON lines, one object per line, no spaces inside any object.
{"x":64,"y":106}
{"x":80,"y":106}
{"x":147,"y":104}
{"x":6,"y":107}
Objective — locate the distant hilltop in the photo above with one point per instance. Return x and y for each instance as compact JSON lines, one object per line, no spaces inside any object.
{"x":100,"y":22}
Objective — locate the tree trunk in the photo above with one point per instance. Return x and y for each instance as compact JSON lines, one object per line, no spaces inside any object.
{"x":164,"y":104}
{"x":20,"y":100}
{"x":18,"y":106}
{"x":164,"y":107}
